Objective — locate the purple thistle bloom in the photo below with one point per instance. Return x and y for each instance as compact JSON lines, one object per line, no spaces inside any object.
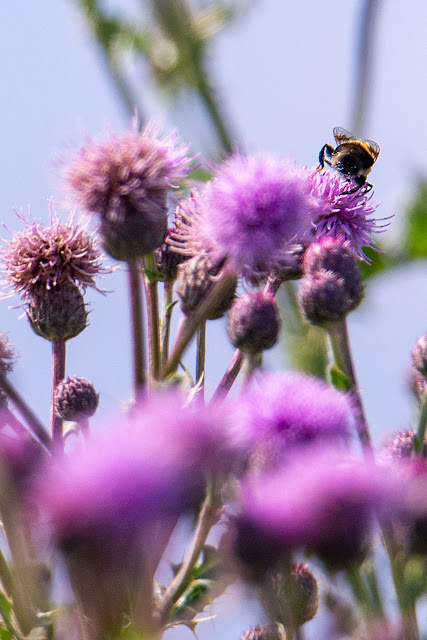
{"x":125,"y":180}
{"x":40,"y":258}
{"x":321,"y":501}
{"x":345,"y":214}
{"x":251,"y":214}
{"x":291,"y":410}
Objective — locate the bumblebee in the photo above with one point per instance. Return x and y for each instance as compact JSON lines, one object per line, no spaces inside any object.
{"x":353,"y":158}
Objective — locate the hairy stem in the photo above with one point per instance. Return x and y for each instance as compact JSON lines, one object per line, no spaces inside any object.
{"x":229,"y":376}
{"x":139,"y":376}
{"x":152,"y":297}
{"x":341,"y":352}
{"x":166,"y":320}
{"x":58,"y":374}
{"x":201,"y":358}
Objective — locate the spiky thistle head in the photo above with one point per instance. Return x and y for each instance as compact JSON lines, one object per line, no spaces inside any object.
{"x":40,"y":258}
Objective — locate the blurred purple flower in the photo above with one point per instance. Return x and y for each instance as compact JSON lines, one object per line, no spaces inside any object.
{"x":320,"y":501}
{"x":290,"y":410}
{"x":252,"y":213}
{"x":345,"y":214}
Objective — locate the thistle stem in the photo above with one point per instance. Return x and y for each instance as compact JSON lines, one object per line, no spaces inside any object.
{"x":139,"y":376}
{"x":361,"y":592}
{"x":193,"y":321}
{"x":166,"y":320}
{"x":418,"y":443}
{"x":229,"y":376}
{"x":27,"y":413}
{"x":252,"y":362}
{"x":208,"y":516}
{"x":341,"y":352}
{"x":201,"y":358}
{"x":58,"y":374}
{"x":152,"y":298}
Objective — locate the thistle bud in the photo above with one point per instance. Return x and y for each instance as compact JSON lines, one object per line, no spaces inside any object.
{"x":195,"y":279}
{"x":7,"y":358}
{"x":275,"y":631}
{"x":419,"y":356}
{"x":59,"y":313}
{"x":253,"y":322}
{"x":323,"y":297}
{"x":291,"y":599}
{"x":168,"y":261}
{"x":75,"y":398}
{"x":332,"y":254}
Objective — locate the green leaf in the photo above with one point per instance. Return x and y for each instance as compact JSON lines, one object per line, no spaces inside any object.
{"x":151,"y":274}
{"x":5,"y":634}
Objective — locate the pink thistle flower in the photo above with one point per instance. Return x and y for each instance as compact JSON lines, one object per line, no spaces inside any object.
{"x":124,"y":179}
{"x":251,"y":214}
{"x":40,"y":258}
{"x":341,"y":213}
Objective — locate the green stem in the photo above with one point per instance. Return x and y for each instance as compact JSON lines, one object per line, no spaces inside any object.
{"x":27,"y":413}
{"x":58,"y":374}
{"x":192,"y":322}
{"x":152,"y":298}
{"x":361,"y":593}
{"x":201,"y":358}
{"x":166,"y":320}
{"x":372,"y":581}
{"x":418,"y":443}
{"x":340,"y":347}
{"x":211,"y":105}
{"x":139,"y":376}
{"x":208,"y":517}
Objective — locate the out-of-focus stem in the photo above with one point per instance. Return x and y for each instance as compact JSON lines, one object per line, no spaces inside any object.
{"x":166,"y":320}
{"x":193,"y":321}
{"x":341,"y":352}
{"x":139,"y":377}
{"x":252,"y":362}
{"x":210,"y":102}
{"x":418,"y":443}
{"x":27,"y":413}
{"x":208,"y":517}
{"x":58,"y":374}
{"x":364,"y":64}
{"x":152,"y":297}
{"x":361,"y":592}
{"x":201,"y":358}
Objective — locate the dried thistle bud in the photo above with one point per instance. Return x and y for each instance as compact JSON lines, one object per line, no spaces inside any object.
{"x":291,"y":599}
{"x":168,"y":260}
{"x":75,"y":398}
{"x":253,"y":322}
{"x":195,"y":279}
{"x":59,"y":313}
{"x":274,"y":631}
{"x":419,"y":356}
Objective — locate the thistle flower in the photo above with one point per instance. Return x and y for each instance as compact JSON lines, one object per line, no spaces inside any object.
{"x":345,"y":214}
{"x":124,"y":180}
{"x":321,"y":501}
{"x":291,"y":410}
{"x":251,"y":214}
{"x":39,"y":258}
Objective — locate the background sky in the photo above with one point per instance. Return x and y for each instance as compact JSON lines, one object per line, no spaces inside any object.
{"x":285,"y":73}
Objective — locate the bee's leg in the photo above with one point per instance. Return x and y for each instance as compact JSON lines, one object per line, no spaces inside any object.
{"x":324,"y":156}
{"x":368,"y":187}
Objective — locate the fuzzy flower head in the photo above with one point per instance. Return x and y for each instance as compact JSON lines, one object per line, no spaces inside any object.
{"x":322,"y":502}
{"x":341,"y":213}
{"x":42,"y":258}
{"x":251,"y":214}
{"x":290,"y":411}
{"x":124,"y":179}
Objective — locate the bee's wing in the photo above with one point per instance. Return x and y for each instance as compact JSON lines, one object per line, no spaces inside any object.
{"x":373,"y":148}
{"x":341,"y":135}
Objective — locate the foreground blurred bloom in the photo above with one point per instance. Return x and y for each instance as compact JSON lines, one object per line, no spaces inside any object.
{"x":345,"y":214}
{"x":125,"y":179}
{"x":113,"y":506}
{"x":251,"y":214}
{"x":282,"y":411}
{"x":322,"y":502}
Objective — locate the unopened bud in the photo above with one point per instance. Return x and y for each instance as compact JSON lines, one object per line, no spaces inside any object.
{"x":75,"y":398}
{"x":291,"y":599}
{"x":253,"y":322}
{"x":195,"y":279}
{"x":168,"y":261}
{"x":59,"y":314}
{"x":324,"y":298}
